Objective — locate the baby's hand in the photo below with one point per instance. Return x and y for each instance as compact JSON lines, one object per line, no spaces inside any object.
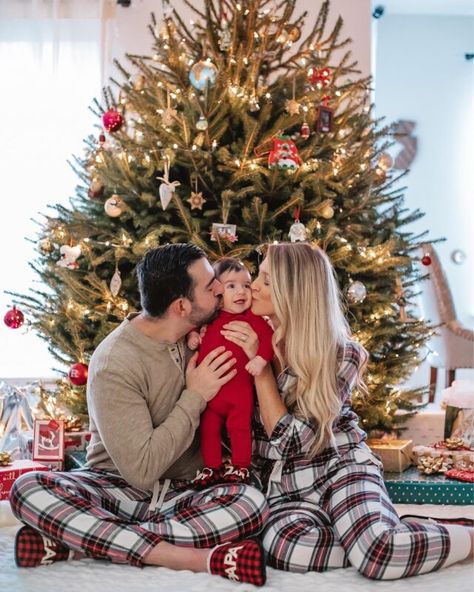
{"x":194,"y":340}
{"x":256,"y":365}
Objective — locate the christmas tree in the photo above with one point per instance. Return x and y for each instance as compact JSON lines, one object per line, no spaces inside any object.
{"x":235,"y":132}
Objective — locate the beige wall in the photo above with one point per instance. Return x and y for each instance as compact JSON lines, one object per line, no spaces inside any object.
{"x":127,"y":32}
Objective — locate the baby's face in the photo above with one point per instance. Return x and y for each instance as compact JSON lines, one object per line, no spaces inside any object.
{"x":237,"y":296}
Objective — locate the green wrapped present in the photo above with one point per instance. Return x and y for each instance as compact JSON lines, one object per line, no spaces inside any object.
{"x":410,"y":487}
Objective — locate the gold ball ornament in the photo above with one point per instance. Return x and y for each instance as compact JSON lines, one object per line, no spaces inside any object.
{"x":254,"y":105}
{"x":139,"y":82}
{"x":283,"y":37}
{"x":113,"y":206}
{"x":294,"y":34}
{"x":385,"y":161}
{"x":328,"y":212}
{"x":45,"y":245}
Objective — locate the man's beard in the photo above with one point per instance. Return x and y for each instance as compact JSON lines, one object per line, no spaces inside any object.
{"x":198,"y":318}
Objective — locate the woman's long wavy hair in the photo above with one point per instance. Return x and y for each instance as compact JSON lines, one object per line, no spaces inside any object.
{"x":312,"y":329}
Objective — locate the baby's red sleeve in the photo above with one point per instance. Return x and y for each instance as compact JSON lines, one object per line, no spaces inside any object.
{"x":265,"y":334}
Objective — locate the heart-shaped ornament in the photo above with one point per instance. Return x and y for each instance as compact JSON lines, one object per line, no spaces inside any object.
{"x":166,"y":193}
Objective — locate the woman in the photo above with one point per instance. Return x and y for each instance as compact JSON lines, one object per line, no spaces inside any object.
{"x":328,"y":503}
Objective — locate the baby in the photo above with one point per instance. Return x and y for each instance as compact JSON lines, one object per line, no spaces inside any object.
{"x":233,"y":404}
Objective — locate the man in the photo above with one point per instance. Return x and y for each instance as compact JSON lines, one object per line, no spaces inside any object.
{"x":132,"y":504}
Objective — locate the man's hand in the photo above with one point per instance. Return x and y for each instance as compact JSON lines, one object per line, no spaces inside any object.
{"x":213,"y":372}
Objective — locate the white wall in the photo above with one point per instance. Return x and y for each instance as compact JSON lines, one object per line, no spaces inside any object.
{"x":128,"y":33}
{"x":422,"y":76}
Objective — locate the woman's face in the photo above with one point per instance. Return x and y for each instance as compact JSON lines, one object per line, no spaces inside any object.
{"x":261,"y":295}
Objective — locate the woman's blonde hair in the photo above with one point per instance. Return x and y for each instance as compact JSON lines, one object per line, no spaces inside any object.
{"x":312,"y":329}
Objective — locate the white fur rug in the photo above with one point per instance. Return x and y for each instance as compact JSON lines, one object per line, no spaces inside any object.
{"x":97,"y":576}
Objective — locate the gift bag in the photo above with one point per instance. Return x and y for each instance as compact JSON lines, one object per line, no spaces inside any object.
{"x":16,"y":419}
{"x":459,"y":420}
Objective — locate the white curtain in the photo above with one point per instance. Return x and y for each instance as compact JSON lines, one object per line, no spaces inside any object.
{"x":50,"y":61}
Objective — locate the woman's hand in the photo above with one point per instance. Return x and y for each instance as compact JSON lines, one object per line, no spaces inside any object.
{"x":242,"y":334}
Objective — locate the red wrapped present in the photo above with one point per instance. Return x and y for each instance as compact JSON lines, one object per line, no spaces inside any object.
{"x":48,"y":440}
{"x":76,"y":440}
{"x":460,"y":475}
{"x":9,"y":473}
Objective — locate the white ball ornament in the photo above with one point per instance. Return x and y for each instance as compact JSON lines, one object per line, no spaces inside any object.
{"x":113,"y":206}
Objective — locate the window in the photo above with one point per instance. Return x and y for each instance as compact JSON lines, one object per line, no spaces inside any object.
{"x":50,"y":59}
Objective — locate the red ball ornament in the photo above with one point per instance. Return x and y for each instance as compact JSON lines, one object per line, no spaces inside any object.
{"x":14,"y":318}
{"x":78,"y":374}
{"x":426,"y":260}
{"x":112,"y":120}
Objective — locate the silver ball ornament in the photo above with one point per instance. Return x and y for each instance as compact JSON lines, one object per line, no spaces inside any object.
{"x":356,"y":292}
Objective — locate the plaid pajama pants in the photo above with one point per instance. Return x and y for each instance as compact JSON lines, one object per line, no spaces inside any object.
{"x":101,"y":516}
{"x":325,"y":516}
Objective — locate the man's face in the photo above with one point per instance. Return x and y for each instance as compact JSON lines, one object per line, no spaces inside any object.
{"x":207,"y":293}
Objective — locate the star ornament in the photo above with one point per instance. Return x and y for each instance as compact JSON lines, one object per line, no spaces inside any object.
{"x":292,"y":107}
{"x":196,"y":200}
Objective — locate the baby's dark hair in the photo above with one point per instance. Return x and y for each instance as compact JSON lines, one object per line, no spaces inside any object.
{"x":227,"y":264}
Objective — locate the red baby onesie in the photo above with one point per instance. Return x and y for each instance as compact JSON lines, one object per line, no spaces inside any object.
{"x":233,"y":404}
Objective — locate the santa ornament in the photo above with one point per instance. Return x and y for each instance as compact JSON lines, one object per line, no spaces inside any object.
{"x":284,"y":154}
{"x":298,"y":231}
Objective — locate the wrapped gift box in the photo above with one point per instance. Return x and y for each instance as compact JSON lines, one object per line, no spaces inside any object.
{"x":10,"y":473}
{"x":76,"y":440}
{"x":396,"y":455}
{"x":459,"y":402}
{"x":458,"y":459}
{"x":411,"y":487}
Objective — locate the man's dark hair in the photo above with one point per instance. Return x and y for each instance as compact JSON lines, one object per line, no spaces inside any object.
{"x":227,"y":264}
{"x":163,"y":276}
